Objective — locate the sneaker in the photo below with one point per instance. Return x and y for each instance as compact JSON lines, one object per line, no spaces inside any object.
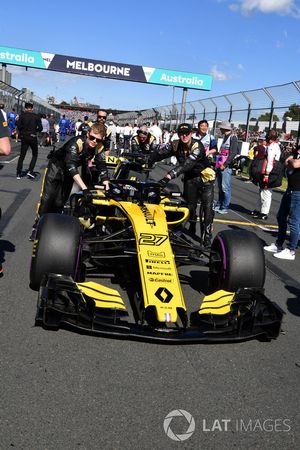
{"x":272,"y":248}
{"x":263,"y":216}
{"x":19,"y":176}
{"x":31,"y":175}
{"x":33,"y":234}
{"x":221,"y":211}
{"x":285,"y":254}
{"x":254,"y":212}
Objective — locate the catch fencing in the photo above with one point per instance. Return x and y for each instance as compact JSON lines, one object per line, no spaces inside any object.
{"x":257,"y":110}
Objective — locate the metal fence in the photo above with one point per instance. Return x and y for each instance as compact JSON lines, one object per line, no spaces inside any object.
{"x":244,"y":109}
{"x":15,"y":98}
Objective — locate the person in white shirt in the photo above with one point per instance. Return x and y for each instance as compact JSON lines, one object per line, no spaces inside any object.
{"x":77,"y":126}
{"x":273,"y":154}
{"x":127,"y":132}
{"x":156,"y":131}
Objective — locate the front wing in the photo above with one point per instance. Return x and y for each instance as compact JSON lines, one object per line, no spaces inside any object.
{"x":93,"y":308}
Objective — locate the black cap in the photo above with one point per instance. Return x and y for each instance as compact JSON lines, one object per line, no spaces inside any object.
{"x":184,"y":128}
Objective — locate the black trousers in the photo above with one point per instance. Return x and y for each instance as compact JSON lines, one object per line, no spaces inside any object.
{"x":194,"y":192}
{"x":26,"y":142}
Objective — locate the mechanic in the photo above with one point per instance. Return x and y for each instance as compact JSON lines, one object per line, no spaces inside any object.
{"x":143,"y":142}
{"x":29,"y":124}
{"x":198,"y":179}
{"x":62,"y":171}
{"x":289,"y":211}
{"x":101,"y":118}
{"x":224,"y":161}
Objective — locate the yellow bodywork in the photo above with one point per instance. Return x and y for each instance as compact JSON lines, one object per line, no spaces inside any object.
{"x":103,"y":296}
{"x":159,"y":277}
{"x":218,"y":303}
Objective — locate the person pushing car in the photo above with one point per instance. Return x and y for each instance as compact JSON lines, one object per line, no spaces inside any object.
{"x":198,"y":179}
{"x":62,"y":171}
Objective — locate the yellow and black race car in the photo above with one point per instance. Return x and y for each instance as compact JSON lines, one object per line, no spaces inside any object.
{"x":134,"y":234}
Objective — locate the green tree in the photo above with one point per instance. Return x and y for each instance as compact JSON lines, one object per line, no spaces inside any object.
{"x":266,"y":117}
{"x":293,"y":112}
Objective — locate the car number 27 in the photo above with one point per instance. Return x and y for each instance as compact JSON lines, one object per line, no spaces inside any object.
{"x":152,"y":239}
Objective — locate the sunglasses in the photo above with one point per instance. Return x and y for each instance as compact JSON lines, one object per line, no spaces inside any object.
{"x":101,"y":117}
{"x":93,"y":138}
{"x":184,"y":134}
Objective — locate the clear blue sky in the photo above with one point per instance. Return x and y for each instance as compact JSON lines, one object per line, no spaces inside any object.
{"x":244,"y":44}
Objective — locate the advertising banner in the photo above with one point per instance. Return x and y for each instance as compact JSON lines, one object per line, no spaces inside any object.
{"x":106,"y":69}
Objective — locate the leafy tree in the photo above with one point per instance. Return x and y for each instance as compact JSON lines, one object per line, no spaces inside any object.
{"x":266,"y":117}
{"x":252,"y":119}
{"x":293,"y":112}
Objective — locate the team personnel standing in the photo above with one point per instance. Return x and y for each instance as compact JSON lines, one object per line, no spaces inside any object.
{"x":101,"y":118}
{"x":62,"y":170}
{"x":156,"y":131}
{"x":198,"y":179}
{"x":85,"y":126}
{"x":63,"y":125}
{"x":289,"y":211}
{"x":52,"y":137}
{"x":224,"y":159}
{"x":29,"y":125}
{"x":207,"y":139}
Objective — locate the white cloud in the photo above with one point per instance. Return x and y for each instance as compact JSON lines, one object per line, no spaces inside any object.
{"x":241,"y":67}
{"x":282,"y":7}
{"x":218,"y":75}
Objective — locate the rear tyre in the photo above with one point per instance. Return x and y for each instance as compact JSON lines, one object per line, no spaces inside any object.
{"x":237,"y":260}
{"x":56,"y":249}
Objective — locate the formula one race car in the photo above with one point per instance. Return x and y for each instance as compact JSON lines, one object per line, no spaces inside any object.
{"x":134,"y":234}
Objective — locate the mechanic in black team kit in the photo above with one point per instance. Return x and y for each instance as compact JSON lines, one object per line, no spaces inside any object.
{"x":198,"y":179}
{"x":29,"y":125}
{"x":62,"y":170}
{"x":143,"y":142}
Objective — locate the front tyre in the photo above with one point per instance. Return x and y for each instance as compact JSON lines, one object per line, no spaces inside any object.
{"x":56,"y":249}
{"x":236,"y":261}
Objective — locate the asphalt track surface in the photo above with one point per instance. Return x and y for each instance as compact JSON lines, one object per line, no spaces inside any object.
{"x":64,"y":390}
